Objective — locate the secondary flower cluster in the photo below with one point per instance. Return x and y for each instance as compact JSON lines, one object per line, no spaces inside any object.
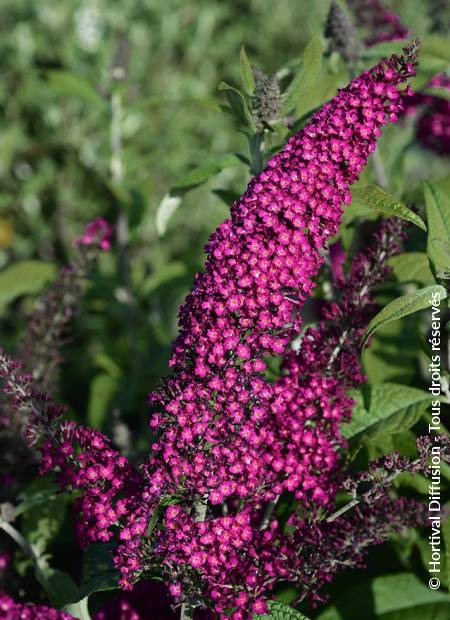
{"x":433,"y":111}
{"x":433,"y":124}
{"x":11,"y":610}
{"x":98,"y":233}
{"x":40,"y":349}
{"x":84,"y":459}
{"x":381,"y":24}
{"x":227,"y":434}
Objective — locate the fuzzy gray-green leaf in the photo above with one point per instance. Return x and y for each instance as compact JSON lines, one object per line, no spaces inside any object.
{"x":374,"y":197}
{"x":306,"y":76}
{"x":404,"y":306}
{"x":385,"y":409}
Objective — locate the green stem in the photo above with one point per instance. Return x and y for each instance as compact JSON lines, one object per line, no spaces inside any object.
{"x":29,"y":550}
{"x":186,"y":614}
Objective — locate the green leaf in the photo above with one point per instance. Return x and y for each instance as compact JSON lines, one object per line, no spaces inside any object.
{"x":438,"y":217}
{"x":72,"y":85}
{"x":166,"y":208}
{"x":384,"y":49}
{"x":436,"y":91}
{"x":446,"y":537}
{"x":401,"y":597}
{"x":101,"y":392}
{"x":42,"y":524}
{"x":203,"y":173}
{"x":27,"y":277}
{"x":59,"y":586}
{"x":246,"y":72}
{"x":437,"y":46}
{"x":281,"y":611}
{"x":35,"y":499}
{"x":385,"y":409}
{"x":306,"y":76}
{"x":165,"y":274}
{"x":79,"y":610}
{"x":99,"y":573}
{"x":238,"y":105}
{"x":403,"y":306}
{"x":411,"y":267}
{"x":322,"y":90}
{"x":434,"y":58}
{"x":376,"y":198}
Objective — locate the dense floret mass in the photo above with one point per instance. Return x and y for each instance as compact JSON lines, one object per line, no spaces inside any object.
{"x":229,"y":440}
{"x":11,"y":610}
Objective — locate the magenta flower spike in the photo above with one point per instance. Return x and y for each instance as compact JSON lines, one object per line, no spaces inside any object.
{"x":261,"y":263}
{"x":11,"y":610}
{"x":229,"y":441}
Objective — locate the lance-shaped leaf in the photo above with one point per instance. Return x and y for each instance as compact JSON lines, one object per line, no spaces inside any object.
{"x":374,"y":197}
{"x":385,"y":409}
{"x":166,"y":208}
{"x":401,"y":596}
{"x":196,"y":177}
{"x":281,"y":611}
{"x":404,"y":306}
{"x":306,"y":76}
{"x":58,"y":585}
{"x":246,"y":71}
{"x":438,"y":217}
{"x":69,"y":84}
{"x":24,"y":278}
{"x":99,"y":573}
{"x":238,"y":105}
{"x":411,"y":267}
{"x":203,"y":173}
{"x":79,"y":610}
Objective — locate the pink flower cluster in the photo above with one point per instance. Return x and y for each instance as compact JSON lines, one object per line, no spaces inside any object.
{"x":83,"y":459}
{"x":227,"y":434}
{"x":231,"y":441}
{"x":381,"y":23}
{"x":433,"y":124}
{"x":215,"y":413}
{"x":148,"y":600}
{"x":10,"y":610}
{"x":98,"y":232}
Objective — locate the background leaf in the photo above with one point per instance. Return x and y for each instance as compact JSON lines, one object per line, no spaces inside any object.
{"x":411,"y":267}
{"x":384,"y":409}
{"x":99,"y":573}
{"x":72,"y":85}
{"x":403,"y":306}
{"x":79,"y":610}
{"x":101,"y":392}
{"x":246,"y":71}
{"x":167,"y":207}
{"x":281,"y":611}
{"x":24,"y":278}
{"x":59,"y":586}
{"x":206,"y":171}
{"x":401,"y":596}
{"x":376,"y":198}
{"x":438,"y":218}
{"x":306,"y":76}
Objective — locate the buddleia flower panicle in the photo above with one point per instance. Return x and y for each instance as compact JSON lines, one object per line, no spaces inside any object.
{"x":228,"y":440}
